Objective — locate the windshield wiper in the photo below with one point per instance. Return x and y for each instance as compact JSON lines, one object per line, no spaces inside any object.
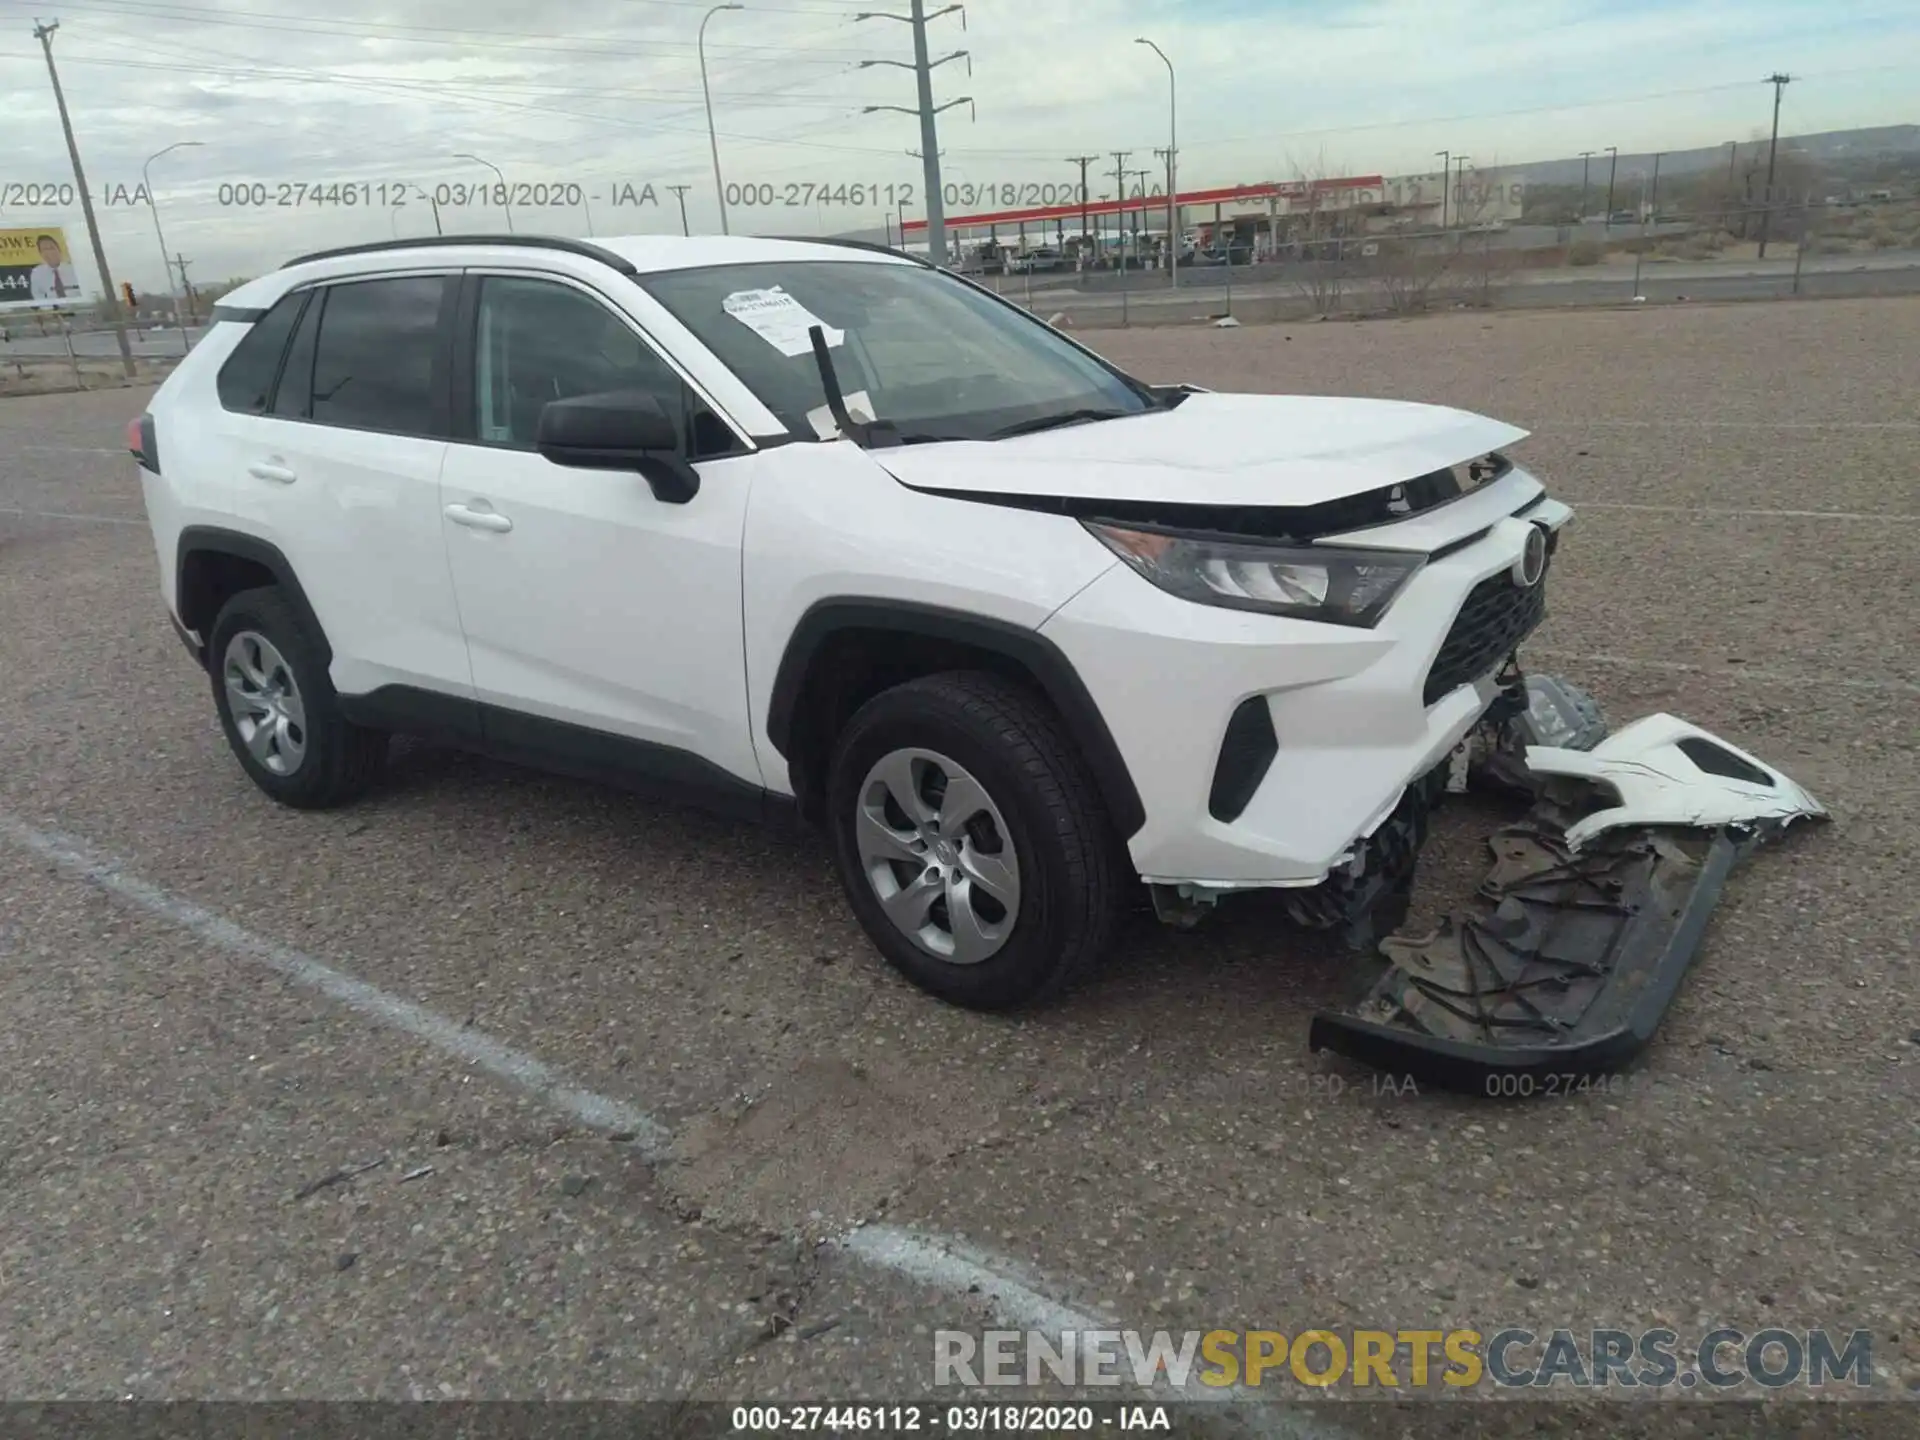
{"x":1054,"y":422}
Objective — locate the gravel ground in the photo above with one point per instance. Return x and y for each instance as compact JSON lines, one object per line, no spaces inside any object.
{"x":1158,"y":1145}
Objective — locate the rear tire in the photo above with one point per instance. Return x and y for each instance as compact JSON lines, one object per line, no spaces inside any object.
{"x":278,"y":708}
{"x":971,"y":842}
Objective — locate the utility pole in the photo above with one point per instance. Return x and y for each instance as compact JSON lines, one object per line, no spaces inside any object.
{"x":1779,"y":82}
{"x":186,"y":286}
{"x":1586,"y":157}
{"x":680,"y":193}
{"x":1446,"y":178}
{"x":1086,"y":232}
{"x":1141,"y":227}
{"x":1612,"y":170}
{"x":1172,"y":235}
{"x":923,"y":69}
{"x":44,"y":34}
{"x":1120,"y":190}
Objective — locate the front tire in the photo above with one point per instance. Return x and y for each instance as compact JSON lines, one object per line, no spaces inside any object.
{"x":971,"y":842}
{"x":278,"y":708}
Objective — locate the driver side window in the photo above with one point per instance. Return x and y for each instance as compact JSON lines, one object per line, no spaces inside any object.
{"x":537,"y":341}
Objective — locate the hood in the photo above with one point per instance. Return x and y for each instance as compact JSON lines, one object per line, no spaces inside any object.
{"x":1247,"y":450}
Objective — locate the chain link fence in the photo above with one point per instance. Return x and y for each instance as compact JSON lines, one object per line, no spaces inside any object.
{"x":1772,"y":251}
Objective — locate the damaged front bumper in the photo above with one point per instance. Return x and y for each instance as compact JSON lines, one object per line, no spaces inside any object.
{"x":1588,"y":920}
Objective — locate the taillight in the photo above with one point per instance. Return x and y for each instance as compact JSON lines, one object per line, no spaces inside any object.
{"x":142,"y":444}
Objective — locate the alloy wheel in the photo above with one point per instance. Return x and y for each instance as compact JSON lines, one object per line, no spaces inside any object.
{"x":937,"y":852}
{"x":265,"y":702}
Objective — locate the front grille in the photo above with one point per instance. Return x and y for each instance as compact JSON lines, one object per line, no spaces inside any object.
{"x":1498,"y":615}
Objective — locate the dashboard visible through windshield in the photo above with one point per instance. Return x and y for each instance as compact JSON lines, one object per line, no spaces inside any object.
{"x":912,"y":347}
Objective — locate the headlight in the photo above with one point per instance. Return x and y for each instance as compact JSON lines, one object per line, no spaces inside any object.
{"x":1304,"y":582}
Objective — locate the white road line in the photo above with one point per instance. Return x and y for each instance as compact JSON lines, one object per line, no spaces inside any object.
{"x":64,"y":515}
{"x":448,"y":1036}
{"x":938,"y":1263}
{"x":1737,"y":672}
{"x":70,"y":449}
{"x":1678,"y":424}
{"x":945,"y":1264}
{"x":1736,"y":512}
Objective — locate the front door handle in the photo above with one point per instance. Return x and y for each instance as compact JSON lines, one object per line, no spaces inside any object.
{"x":265,"y":470}
{"x":478,"y":519}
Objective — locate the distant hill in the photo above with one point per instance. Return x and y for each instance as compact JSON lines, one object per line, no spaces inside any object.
{"x":1830,"y":147}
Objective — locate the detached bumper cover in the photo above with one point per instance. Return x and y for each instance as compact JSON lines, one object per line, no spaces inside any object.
{"x":1587,"y":922}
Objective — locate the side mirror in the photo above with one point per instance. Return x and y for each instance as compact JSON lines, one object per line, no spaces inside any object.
{"x":619,"y":430}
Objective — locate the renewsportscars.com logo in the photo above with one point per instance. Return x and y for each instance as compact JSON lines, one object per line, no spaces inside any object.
{"x":1722,"y":1359}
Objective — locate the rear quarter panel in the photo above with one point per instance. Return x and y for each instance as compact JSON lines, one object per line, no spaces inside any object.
{"x":195,"y":483}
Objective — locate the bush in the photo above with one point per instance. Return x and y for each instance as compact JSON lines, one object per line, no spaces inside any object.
{"x":1883,"y":236}
{"x":1832,"y":245}
{"x":1584,"y":252}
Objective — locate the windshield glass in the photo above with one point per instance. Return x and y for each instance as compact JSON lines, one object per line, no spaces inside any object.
{"x":910,"y":346}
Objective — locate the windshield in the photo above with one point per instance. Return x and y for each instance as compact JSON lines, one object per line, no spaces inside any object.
{"x":911,"y":346}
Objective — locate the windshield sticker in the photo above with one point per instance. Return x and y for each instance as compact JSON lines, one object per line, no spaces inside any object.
{"x":779,"y":319}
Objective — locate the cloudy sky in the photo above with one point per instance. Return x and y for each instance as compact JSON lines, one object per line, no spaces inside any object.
{"x":604,"y":97}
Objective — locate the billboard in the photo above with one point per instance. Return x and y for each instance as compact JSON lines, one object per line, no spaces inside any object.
{"x":37,"y":270}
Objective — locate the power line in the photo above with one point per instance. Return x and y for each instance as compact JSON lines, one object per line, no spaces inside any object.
{"x":460,"y":37}
{"x":439,"y":90}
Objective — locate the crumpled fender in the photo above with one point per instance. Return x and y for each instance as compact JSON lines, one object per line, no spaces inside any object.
{"x":1667,"y":771}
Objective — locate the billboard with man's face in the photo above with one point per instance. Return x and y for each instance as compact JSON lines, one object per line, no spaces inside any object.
{"x":37,"y":270}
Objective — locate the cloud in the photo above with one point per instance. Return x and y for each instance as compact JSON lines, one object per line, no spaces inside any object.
{"x":607,"y":93}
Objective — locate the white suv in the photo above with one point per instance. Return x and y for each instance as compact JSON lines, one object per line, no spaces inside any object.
{"x":819,"y":529}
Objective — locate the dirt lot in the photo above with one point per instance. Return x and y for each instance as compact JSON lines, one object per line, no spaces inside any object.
{"x":189,"y":1050}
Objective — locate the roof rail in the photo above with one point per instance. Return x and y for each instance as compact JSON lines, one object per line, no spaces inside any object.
{"x":873,"y":245}
{"x":417,"y":242}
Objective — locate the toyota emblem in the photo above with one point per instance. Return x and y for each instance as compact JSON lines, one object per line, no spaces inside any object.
{"x":1532,"y":564}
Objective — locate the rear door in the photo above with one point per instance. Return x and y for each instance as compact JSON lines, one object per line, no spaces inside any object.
{"x":342,"y":473}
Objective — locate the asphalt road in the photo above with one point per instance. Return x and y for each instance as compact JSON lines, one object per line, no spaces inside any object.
{"x":646,"y":1118}
{"x":1262,"y":294}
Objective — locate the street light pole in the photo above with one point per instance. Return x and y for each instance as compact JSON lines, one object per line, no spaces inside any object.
{"x":1460,"y":171}
{"x":1446,"y":181}
{"x":1586,"y":157}
{"x":1613,"y":168}
{"x":1173,"y":150}
{"x":506,"y":195}
{"x":713,"y":139}
{"x":166,"y":271}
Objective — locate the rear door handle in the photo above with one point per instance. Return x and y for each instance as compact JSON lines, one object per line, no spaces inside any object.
{"x":268,"y":471}
{"x":478,"y":519}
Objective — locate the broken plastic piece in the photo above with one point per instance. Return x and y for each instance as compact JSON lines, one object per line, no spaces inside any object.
{"x":1666,"y":771}
{"x":1572,"y":949}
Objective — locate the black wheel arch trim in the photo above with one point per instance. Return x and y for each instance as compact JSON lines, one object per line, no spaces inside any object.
{"x":212,"y":539}
{"x":1039,"y":656}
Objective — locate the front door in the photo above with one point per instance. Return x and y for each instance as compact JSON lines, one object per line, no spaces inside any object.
{"x":586,"y":601}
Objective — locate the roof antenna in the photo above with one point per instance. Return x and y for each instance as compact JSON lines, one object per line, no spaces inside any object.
{"x":863,"y":433}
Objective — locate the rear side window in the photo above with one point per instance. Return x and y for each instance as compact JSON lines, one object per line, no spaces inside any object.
{"x":246,"y":380}
{"x":374,"y":363}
